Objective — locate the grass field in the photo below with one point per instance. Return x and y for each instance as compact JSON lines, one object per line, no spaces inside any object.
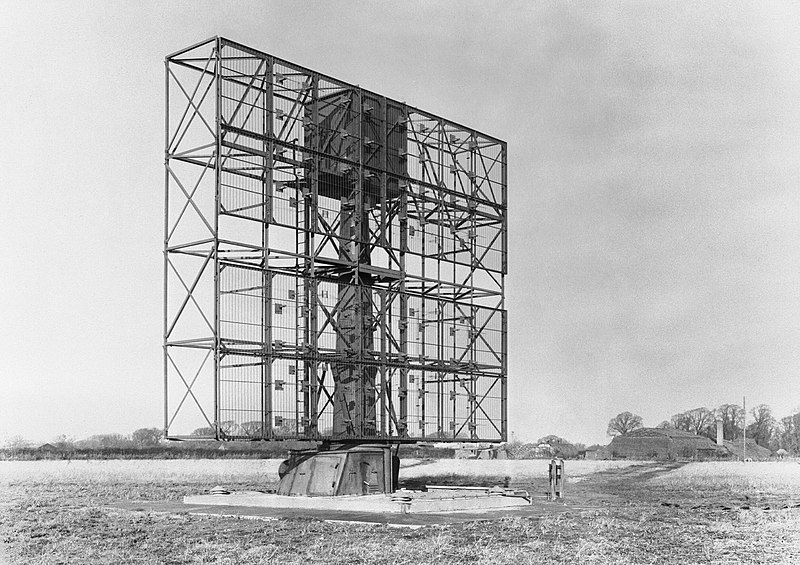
{"x":56,"y":512}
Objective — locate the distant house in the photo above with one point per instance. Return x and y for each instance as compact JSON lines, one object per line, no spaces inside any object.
{"x":664,"y":444}
{"x":596,"y":452}
{"x":48,"y":448}
{"x":480,"y":451}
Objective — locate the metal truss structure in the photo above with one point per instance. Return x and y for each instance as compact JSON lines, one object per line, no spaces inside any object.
{"x":334,"y":259}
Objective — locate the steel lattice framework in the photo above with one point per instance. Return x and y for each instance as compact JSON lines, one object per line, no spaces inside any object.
{"x":334,"y":259}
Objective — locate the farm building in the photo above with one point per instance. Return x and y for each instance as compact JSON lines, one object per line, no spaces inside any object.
{"x":669,"y":444}
{"x":753,"y":450}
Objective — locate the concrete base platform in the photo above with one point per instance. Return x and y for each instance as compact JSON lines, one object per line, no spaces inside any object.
{"x":401,"y":502}
{"x":537,"y":509}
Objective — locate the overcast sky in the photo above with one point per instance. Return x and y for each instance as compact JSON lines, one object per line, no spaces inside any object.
{"x":653,"y":187}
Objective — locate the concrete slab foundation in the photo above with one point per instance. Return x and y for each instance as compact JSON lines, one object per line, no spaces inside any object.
{"x":537,"y":509}
{"x":400,"y":502}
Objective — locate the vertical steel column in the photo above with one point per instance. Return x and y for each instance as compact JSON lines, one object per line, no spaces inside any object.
{"x":385,"y":308}
{"x":423,"y":319}
{"x":504,"y":328}
{"x":217,"y":187}
{"x":440,"y":296}
{"x":311,"y":295}
{"x":402,"y":428}
{"x":166,"y":245}
{"x":385,"y":391}
{"x":266,"y":274}
{"x":360,"y":243}
{"x":472,"y":340}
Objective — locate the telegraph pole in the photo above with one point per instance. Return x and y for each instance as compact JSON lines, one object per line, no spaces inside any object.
{"x":744,"y":428}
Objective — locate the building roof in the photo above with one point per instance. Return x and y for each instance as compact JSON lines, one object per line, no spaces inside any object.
{"x":753,"y":451}
{"x":663,"y":432}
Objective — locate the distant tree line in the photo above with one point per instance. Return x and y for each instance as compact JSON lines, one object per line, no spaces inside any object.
{"x":762,"y":426}
{"x":144,"y":443}
{"x":138,"y":439}
{"x":288,"y":427}
{"x":545,"y":447}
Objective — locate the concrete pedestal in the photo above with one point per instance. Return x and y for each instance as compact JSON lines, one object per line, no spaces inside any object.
{"x":357,"y":470}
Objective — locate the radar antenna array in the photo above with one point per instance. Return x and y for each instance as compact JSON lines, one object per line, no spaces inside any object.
{"x":334,"y":259}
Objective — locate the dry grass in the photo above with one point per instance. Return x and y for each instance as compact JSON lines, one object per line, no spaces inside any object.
{"x":759,"y":482}
{"x":763,"y":476}
{"x":159,"y":470}
{"x":266,"y":470}
{"x":518,"y":471}
{"x":54,"y":514}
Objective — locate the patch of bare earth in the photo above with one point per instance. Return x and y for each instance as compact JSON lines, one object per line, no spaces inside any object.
{"x":647,"y":513}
